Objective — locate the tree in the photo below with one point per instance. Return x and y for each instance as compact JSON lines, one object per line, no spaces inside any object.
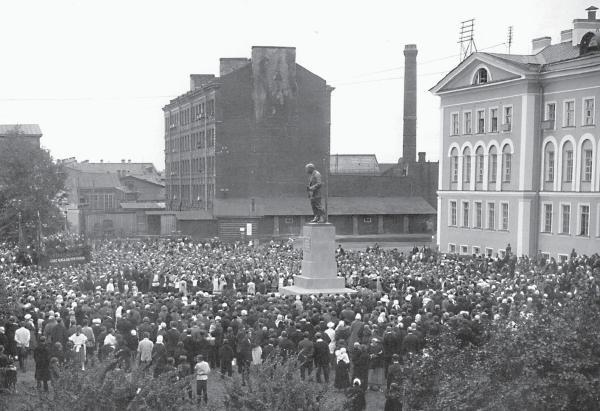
{"x":31,"y":188}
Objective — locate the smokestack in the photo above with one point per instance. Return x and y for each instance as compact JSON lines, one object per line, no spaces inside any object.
{"x":409,"y":136}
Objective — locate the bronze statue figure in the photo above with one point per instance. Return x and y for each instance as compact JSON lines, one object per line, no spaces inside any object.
{"x":315,"y":183}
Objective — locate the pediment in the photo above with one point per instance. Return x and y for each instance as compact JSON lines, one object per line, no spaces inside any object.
{"x":463,"y":76}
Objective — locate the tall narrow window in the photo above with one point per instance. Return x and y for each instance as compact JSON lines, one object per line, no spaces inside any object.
{"x":468,"y":123}
{"x":491,"y":216}
{"x":480,"y":121}
{"x":493,"y":164}
{"x":569,"y":119}
{"x":547,"y":222}
{"x":568,"y":166}
{"x":566,"y":219}
{"x":494,"y":120}
{"x":455,"y":128}
{"x":454,"y":165}
{"x":586,"y":174}
{"x":453,"y":214}
{"x":467,"y":165}
{"x":507,"y":118}
{"x":479,"y":164}
{"x":465,"y":221}
{"x":549,"y":167}
{"x":588,"y":112}
{"x":506,"y":164}
{"x":478,"y":215}
{"x":505,"y":216}
{"x":551,"y":113}
{"x":584,"y":220}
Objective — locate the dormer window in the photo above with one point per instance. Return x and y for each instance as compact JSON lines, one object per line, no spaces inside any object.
{"x":481,"y":76}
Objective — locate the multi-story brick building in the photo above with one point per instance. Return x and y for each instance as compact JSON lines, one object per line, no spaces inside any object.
{"x":236,"y":146}
{"x":519,"y":148}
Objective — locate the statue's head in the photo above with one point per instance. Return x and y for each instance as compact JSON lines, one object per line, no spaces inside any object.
{"x":310,"y":167}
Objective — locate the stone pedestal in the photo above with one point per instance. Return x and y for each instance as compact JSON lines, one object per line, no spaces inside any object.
{"x":319,"y":268}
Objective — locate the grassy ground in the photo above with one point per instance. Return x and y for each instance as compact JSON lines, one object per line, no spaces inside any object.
{"x":26,"y":389}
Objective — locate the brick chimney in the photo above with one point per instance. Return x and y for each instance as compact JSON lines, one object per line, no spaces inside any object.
{"x":540,"y":44}
{"x":422,"y":156}
{"x":198,"y":80}
{"x":229,"y":64}
{"x":409,"y":135}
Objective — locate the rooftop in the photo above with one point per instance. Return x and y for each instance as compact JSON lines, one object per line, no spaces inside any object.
{"x":20,"y":129}
{"x":353,"y":164}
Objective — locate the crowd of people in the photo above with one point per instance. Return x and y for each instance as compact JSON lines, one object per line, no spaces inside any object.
{"x":210,"y":308}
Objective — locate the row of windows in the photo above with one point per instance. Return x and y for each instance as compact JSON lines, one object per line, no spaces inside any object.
{"x":474,"y":250}
{"x":481,"y":119}
{"x":187,"y":166}
{"x":472,"y":216}
{"x":560,"y":164}
{"x":569,"y":113}
{"x":181,"y":193}
{"x":478,"y":165}
{"x":193,"y":141}
{"x":195,"y":113}
{"x":102,"y":201}
{"x":565,"y":210}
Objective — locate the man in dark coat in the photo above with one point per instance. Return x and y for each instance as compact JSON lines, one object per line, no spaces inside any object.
{"x":306,"y":351}
{"x":226,"y":357}
{"x":321,"y":355}
{"x":41,"y":355}
{"x":394,"y":371}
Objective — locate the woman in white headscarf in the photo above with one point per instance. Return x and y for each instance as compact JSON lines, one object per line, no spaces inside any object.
{"x":342,"y":377}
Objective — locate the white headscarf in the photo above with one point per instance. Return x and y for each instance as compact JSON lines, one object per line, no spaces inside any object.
{"x":342,"y":356}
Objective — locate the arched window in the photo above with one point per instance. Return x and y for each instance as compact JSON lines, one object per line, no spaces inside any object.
{"x":568,"y":161}
{"x":506,"y":164}
{"x":481,"y":76}
{"x":466,"y":165}
{"x":493,"y":164}
{"x":479,"y":165}
{"x":454,"y":165}
{"x":549,"y":159}
{"x":587,"y":159}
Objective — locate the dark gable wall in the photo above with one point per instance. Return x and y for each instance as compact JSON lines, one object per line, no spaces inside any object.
{"x":269,"y":147}
{"x":236,"y":132}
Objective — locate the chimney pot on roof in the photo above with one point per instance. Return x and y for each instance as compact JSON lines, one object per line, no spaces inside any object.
{"x":102,"y":161}
{"x":422,"y":155}
{"x":591,"y":12}
{"x":122,"y":160}
{"x":129,"y":160}
{"x":540,"y":43}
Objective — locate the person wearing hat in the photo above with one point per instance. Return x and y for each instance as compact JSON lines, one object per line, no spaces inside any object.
{"x":315,"y":184}
{"x":41,"y":356}
{"x":306,"y":351}
{"x":376,"y":364}
{"x":394,"y":374}
{"x":202,"y":369}
{"x":226,"y":358}
{"x":22,"y":338}
{"x":322,"y":359}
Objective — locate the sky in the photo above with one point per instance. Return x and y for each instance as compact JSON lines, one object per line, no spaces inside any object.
{"x":96,"y":74}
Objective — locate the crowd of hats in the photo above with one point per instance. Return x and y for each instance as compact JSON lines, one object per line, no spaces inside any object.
{"x":220,"y":290}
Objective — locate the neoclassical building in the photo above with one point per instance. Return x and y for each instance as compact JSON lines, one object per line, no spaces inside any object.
{"x":519,"y":149}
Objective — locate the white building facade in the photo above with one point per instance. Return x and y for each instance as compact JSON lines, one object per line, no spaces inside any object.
{"x":519,"y":149}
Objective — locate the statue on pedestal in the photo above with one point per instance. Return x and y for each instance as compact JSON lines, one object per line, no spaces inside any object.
{"x":315,"y":183}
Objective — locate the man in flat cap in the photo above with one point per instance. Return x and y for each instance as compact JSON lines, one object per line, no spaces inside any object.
{"x":315,"y":184}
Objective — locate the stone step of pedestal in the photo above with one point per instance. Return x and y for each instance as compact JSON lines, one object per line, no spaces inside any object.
{"x":295,"y":290}
{"x":319,"y":282}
